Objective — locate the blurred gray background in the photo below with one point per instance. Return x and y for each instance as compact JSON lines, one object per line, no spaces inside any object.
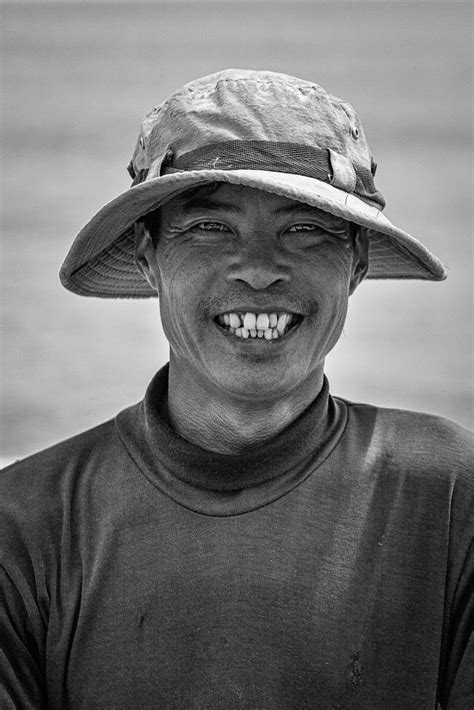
{"x":77,"y":79}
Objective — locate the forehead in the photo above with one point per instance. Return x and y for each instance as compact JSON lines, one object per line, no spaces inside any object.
{"x":238,"y":199}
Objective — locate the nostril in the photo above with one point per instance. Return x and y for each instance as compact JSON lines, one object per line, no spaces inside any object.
{"x":259,"y":275}
{"x":259,"y":281}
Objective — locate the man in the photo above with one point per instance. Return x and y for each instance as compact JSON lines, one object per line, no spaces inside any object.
{"x":241,"y":539}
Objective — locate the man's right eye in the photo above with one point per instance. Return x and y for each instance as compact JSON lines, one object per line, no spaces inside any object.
{"x":211,"y":227}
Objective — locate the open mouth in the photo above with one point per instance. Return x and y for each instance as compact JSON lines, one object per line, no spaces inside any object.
{"x":248,"y":326}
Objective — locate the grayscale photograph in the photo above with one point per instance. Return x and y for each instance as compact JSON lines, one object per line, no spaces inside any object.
{"x":237,"y":355}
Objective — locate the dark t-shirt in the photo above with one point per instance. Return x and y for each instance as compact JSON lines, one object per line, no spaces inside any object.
{"x":327,"y":568}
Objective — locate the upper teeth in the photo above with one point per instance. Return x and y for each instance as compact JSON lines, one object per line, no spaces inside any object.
{"x":257,"y":325}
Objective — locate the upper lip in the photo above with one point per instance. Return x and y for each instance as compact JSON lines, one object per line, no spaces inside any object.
{"x":258,"y":309}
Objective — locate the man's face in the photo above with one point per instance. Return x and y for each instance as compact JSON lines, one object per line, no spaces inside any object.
{"x":253,"y":287}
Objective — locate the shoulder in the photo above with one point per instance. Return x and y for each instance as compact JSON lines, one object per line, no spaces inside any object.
{"x":422,"y":465}
{"x":50,"y":462}
{"x":426,"y":434}
{"x":421,"y":443}
{"x":412,"y":428}
{"x":49,"y":500}
{"x":36,"y":489}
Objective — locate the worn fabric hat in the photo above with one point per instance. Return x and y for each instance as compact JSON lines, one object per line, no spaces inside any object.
{"x":268,"y":131}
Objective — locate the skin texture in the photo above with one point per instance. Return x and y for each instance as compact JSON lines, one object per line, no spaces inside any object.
{"x":242,"y":249}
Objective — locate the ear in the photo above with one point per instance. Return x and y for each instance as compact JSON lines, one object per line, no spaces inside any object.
{"x":145,"y":255}
{"x":360,"y":262}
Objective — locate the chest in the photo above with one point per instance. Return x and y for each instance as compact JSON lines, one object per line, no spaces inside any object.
{"x":282,"y":607}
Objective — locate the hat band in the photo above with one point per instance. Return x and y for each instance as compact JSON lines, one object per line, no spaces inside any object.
{"x":321,"y":163}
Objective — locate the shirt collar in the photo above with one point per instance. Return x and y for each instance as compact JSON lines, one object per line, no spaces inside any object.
{"x":227,"y":484}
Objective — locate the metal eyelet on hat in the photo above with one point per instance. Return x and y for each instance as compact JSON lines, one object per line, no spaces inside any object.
{"x":355,"y":132}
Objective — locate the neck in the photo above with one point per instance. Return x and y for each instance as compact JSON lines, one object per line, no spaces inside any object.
{"x":229,"y":424}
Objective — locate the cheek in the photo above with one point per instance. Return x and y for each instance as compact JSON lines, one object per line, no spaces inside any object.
{"x":330,"y":272}
{"x":173,"y":275}
{"x":330,"y":278}
{"x":183,"y":286}
{"x":339,"y":263}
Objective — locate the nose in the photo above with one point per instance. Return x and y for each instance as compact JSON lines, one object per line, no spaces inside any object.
{"x":260,"y":266}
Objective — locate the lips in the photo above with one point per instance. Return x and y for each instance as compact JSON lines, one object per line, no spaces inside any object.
{"x":251,"y":325}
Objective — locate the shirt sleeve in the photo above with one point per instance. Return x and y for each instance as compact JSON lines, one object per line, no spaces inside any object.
{"x":22,"y":685}
{"x":461,"y":695}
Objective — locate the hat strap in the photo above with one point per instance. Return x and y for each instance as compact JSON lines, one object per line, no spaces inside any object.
{"x":324,"y":164}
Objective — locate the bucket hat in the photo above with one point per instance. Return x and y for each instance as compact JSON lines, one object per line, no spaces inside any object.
{"x":261,"y":129}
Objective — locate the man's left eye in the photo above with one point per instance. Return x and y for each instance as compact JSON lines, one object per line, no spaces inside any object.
{"x":307,"y":228}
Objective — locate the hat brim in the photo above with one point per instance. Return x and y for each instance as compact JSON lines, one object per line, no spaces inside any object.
{"x":101,"y":261}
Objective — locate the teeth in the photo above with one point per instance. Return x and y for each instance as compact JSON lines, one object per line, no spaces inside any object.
{"x":250,"y":321}
{"x":234,"y":320}
{"x":282,"y":321}
{"x":252,"y":325}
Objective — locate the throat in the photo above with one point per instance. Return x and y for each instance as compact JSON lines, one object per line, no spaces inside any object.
{"x":230,"y":432}
{"x":229,"y":426}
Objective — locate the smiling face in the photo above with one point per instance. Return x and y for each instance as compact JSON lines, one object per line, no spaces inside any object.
{"x":253,"y":287}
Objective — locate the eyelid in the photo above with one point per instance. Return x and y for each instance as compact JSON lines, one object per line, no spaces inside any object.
{"x":324,"y":228}
{"x":307,"y":224}
{"x":214,"y":222}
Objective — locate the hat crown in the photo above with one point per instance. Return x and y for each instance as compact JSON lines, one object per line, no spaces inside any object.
{"x":245,"y":105}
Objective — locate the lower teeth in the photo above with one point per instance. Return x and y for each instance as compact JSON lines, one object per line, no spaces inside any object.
{"x":268,"y":334}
